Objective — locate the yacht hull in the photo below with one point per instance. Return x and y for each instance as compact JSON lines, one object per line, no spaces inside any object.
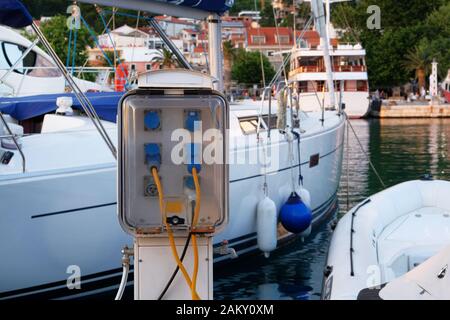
{"x":63,"y":228}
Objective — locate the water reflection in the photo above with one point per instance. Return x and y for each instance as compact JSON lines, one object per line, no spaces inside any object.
{"x":400,"y":149}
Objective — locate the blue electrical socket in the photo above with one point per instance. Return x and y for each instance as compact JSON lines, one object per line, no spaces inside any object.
{"x":153,"y":155}
{"x":152,"y":120}
{"x":193,"y":157}
{"x":192,"y":119}
{"x":189,"y":182}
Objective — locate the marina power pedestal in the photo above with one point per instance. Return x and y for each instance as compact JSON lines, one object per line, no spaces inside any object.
{"x":173,"y":180}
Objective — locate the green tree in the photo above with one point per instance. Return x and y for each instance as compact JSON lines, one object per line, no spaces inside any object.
{"x":404,"y":25}
{"x":167,"y":59}
{"x":49,"y":8}
{"x":302,"y":13}
{"x":240,"y":5}
{"x":229,"y":54}
{"x":437,"y":34}
{"x":267,"y":18}
{"x":111,"y":56}
{"x":418,"y":59}
{"x":247,"y":68}
{"x":57,"y":33}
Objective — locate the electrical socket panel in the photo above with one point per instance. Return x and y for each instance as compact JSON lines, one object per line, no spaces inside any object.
{"x":164,"y":129}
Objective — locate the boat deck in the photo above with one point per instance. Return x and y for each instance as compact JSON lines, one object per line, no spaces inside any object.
{"x":411,"y":239}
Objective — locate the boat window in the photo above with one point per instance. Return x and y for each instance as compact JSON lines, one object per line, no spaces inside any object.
{"x":282,"y":39}
{"x":303,"y":44}
{"x":302,"y":86}
{"x":13,"y":52}
{"x":361,"y":85}
{"x":4,"y":66}
{"x":249,"y":124}
{"x":259,"y":39}
{"x":320,"y":86}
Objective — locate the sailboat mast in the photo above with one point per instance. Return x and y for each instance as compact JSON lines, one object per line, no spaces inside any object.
{"x":322,"y":27}
{"x":328,"y":16}
{"x":215,"y":50}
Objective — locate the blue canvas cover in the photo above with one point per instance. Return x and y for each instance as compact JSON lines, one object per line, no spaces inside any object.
{"x":23,"y":108}
{"x":14,"y":14}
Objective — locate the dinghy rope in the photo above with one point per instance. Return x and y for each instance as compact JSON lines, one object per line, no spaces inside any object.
{"x":352,"y":231}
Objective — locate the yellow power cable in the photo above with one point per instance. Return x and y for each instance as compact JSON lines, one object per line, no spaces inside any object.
{"x":194,"y":223}
{"x":197,"y":196}
{"x":170,"y":233}
{"x":194,"y":275}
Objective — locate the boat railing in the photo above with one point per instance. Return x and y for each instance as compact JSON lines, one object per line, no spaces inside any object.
{"x":336,"y":68}
{"x":14,"y":139}
{"x":266,"y":91}
{"x":352,"y":231}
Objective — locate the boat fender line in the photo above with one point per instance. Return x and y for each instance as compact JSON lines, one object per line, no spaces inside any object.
{"x":300,"y":176}
{"x":304,"y":194}
{"x":352,"y":231}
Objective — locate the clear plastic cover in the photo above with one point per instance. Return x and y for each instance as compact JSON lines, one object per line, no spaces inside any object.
{"x":172,"y":133}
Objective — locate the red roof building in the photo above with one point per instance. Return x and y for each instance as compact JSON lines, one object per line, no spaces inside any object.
{"x":269,"y":40}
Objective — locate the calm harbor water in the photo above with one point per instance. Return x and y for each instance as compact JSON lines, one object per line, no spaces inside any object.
{"x":400,"y":149}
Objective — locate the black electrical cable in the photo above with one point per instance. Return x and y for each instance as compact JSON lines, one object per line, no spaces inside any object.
{"x":175,"y":272}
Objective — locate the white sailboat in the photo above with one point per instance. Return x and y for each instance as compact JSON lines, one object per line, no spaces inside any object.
{"x":25,"y":69}
{"x":58,"y":214}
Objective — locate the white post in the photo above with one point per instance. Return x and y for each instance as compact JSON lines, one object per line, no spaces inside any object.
{"x":433,"y":79}
{"x":434,"y":84}
{"x":215,"y":50}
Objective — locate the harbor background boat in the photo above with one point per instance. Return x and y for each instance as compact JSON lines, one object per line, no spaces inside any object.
{"x":401,"y":149}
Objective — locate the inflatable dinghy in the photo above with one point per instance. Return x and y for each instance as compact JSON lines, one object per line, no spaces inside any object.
{"x":377,"y":245}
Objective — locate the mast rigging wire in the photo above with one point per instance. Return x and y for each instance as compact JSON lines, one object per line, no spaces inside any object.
{"x":260,"y":52}
{"x":365,"y":153}
{"x":84,"y":101}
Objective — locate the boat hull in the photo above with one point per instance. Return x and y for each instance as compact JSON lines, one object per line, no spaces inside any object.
{"x":66,"y":228}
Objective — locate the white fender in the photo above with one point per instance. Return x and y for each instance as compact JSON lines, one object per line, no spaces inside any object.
{"x":305,"y":195}
{"x":306,"y":198}
{"x":266,"y":225}
{"x":306,"y":233}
